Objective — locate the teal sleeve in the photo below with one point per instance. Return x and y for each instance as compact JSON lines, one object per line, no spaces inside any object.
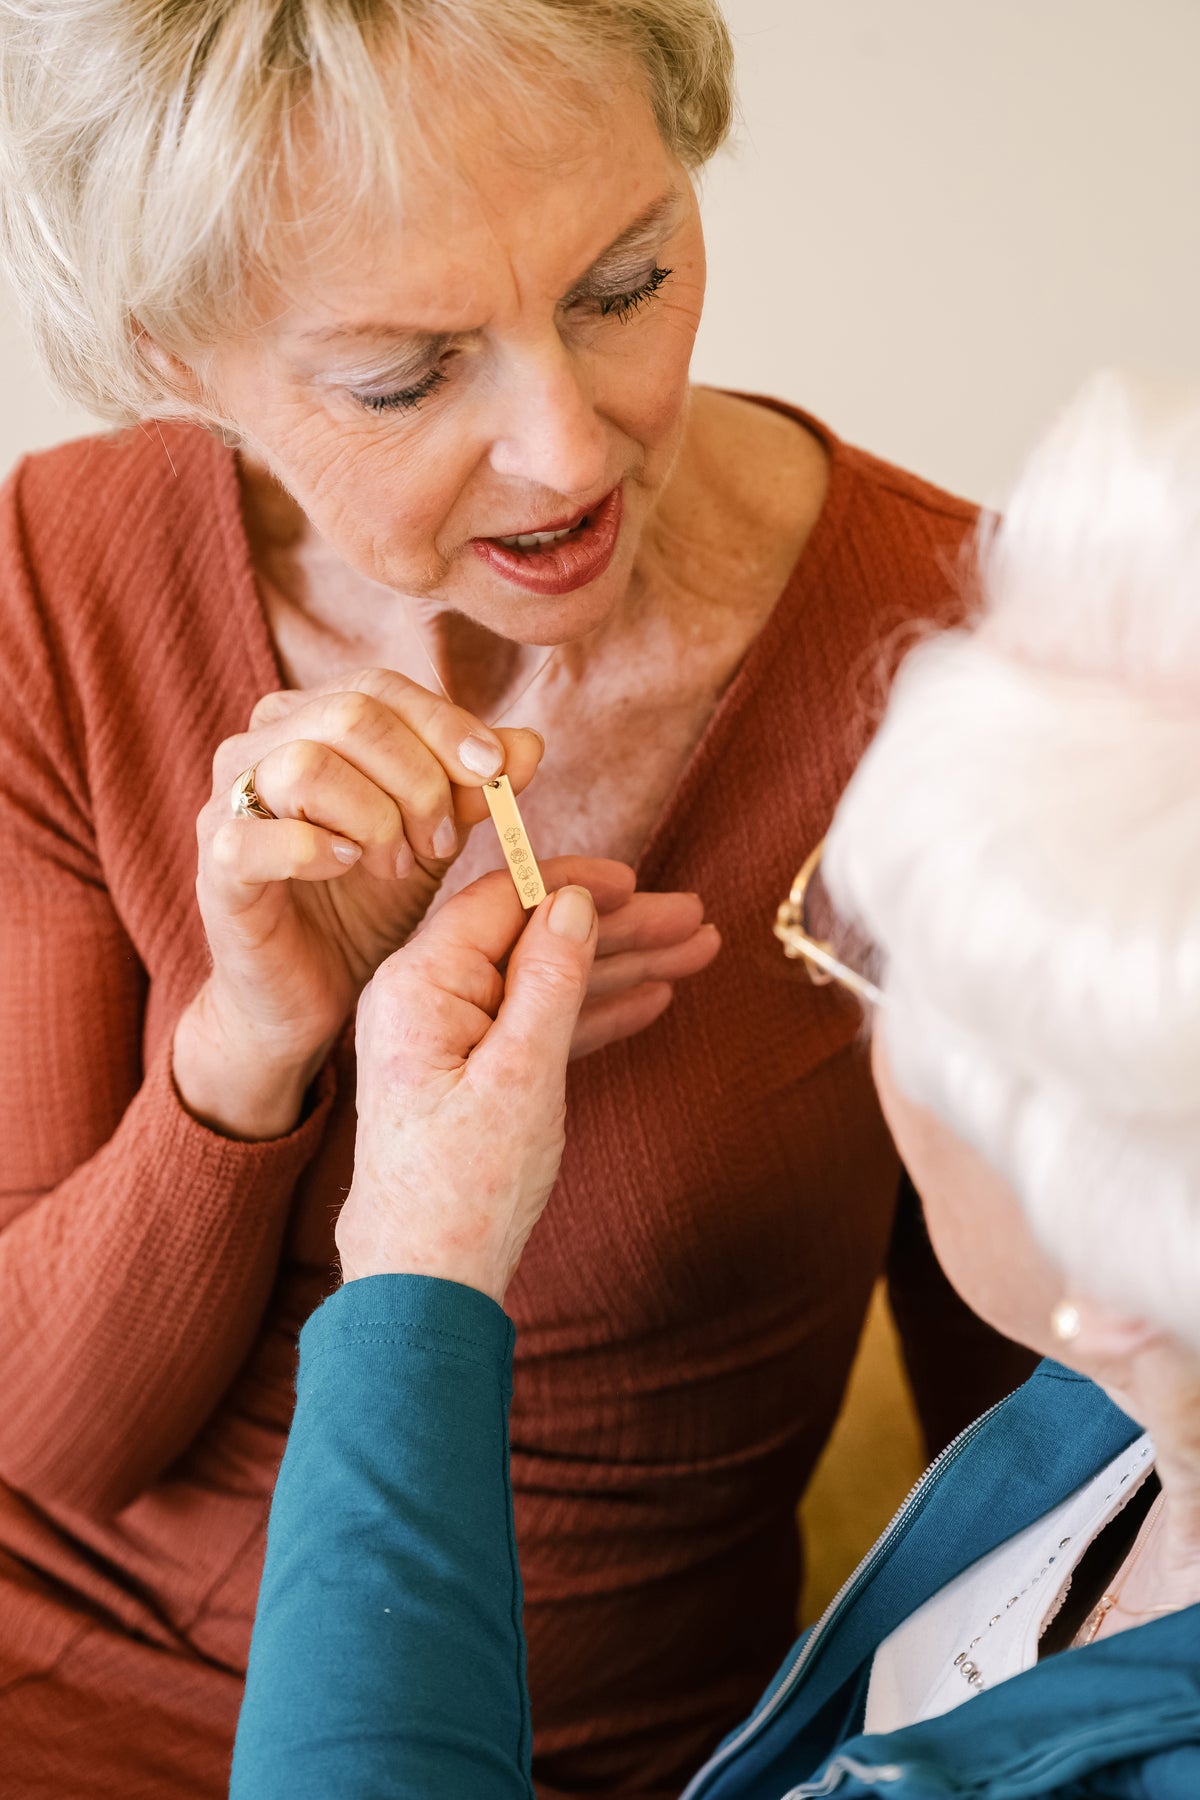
{"x":388,"y":1657}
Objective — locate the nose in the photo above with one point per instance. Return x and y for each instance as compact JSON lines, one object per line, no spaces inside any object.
{"x":547,"y":431}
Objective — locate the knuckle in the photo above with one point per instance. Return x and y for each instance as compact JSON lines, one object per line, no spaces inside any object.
{"x":308,"y":851}
{"x":300,"y":762}
{"x":226,"y":845}
{"x":208,"y":821}
{"x":389,"y":979}
{"x":268,"y":707}
{"x":373,"y":682}
{"x":352,"y":714}
{"x":388,"y":824}
{"x":555,"y":982}
{"x":229,"y":759}
{"x":406,"y":1014}
{"x":414,"y":1031}
{"x":426,"y":793}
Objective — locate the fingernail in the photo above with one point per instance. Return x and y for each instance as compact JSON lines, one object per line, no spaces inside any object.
{"x":404,"y":860}
{"x":445,"y":840}
{"x":572,"y":914}
{"x":483,"y":755}
{"x":345,"y":851}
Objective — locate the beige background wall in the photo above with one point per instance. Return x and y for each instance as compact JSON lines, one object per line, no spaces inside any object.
{"x":940,"y":215}
{"x":945,"y":212}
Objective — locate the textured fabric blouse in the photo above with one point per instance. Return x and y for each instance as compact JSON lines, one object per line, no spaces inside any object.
{"x":687,"y":1311}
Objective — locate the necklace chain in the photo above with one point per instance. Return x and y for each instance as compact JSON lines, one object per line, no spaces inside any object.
{"x":521,"y":692}
{"x":1110,"y":1601}
{"x":508,"y":706}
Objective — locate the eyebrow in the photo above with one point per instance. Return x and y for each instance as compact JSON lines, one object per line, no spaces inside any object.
{"x":649,"y":224}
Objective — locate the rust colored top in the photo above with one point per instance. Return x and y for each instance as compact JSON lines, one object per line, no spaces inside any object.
{"x":687,"y":1310}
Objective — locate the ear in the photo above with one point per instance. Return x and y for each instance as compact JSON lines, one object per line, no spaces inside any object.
{"x":1106,"y":1336}
{"x":177,"y":376}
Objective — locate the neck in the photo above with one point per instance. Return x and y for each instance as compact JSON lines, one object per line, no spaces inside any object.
{"x":1166,"y":1576}
{"x":479,"y":670}
{"x":1162,"y":1390}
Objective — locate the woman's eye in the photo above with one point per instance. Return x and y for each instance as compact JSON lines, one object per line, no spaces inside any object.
{"x":403,"y":399}
{"x":610,"y":306}
{"x":623,"y":306}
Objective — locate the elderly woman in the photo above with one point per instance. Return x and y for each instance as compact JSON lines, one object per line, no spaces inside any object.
{"x":1022,"y":844}
{"x":408,"y":289}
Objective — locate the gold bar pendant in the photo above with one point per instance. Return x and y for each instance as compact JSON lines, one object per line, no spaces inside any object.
{"x":514,"y":841}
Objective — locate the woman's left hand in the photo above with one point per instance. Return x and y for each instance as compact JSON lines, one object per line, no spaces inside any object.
{"x":645,"y":943}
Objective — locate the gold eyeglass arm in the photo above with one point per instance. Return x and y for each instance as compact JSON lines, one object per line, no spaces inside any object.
{"x":820,"y":962}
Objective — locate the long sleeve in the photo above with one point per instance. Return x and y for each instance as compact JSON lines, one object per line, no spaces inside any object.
{"x":388,"y":1658}
{"x":137,"y":1248}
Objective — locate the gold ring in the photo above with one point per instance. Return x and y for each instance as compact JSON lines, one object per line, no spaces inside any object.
{"x":246,"y":800}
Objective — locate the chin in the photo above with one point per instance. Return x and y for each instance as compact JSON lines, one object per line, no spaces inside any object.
{"x":526,"y":618}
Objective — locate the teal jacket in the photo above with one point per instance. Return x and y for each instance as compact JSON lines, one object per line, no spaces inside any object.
{"x":388,"y":1658}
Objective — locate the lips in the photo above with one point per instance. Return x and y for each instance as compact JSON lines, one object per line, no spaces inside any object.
{"x":563,"y":563}
{"x":555,"y":528}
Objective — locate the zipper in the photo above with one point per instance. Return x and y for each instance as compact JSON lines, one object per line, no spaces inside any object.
{"x":899,"y":1522}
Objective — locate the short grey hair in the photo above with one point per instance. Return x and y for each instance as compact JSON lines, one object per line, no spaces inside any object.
{"x":1022,"y":843}
{"x":144,"y":144}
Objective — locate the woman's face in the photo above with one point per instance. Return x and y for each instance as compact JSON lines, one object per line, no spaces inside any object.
{"x":509,"y":355}
{"x":976,"y":1225}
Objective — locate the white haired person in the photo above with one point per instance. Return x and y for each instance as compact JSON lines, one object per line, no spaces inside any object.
{"x":1022,"y":848}
{"x":396,"y":300}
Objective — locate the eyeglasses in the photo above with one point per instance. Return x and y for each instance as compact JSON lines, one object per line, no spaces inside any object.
{"x":821,"y":961}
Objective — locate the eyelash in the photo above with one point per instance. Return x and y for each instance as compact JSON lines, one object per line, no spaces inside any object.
{"x":623,"y":306}
{"x":619,"y":306}
{"x":406,"y":398}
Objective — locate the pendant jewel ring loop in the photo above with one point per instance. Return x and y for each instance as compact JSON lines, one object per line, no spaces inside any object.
{"x":246,"y":800}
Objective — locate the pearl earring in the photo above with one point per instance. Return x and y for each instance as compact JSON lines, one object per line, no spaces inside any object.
{"x":1064,"y":1321}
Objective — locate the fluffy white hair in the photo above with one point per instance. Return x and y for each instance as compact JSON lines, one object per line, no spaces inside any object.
{"x":1022,"y":844}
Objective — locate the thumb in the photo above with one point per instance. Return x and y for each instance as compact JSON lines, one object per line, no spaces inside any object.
{"x":546,"y":982}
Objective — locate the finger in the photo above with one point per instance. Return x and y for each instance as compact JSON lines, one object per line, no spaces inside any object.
{"x":246,"y":855}
{"x":609,"y":883}
{"x":522,"y":748}
{"x":651,"y":922}
{"x":631,"y":968}
{"x":488,"y":917}
{"x":277,"y":705}
{"x":619,"y":1016}
{"x":373,"y":740}
{"x":418,"y":1021}
{"x":303,"y":780}
{"x":466,"y":748}
{"x":543,"y":991}
{"x":459,"y":740}
{"x":413,"y":745}
{"x":484,"y":920}
{"x":523,"y":752}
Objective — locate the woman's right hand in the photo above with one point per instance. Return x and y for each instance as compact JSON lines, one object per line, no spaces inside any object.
{"x":372,"y":786}
{"x":463,"y":1040}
